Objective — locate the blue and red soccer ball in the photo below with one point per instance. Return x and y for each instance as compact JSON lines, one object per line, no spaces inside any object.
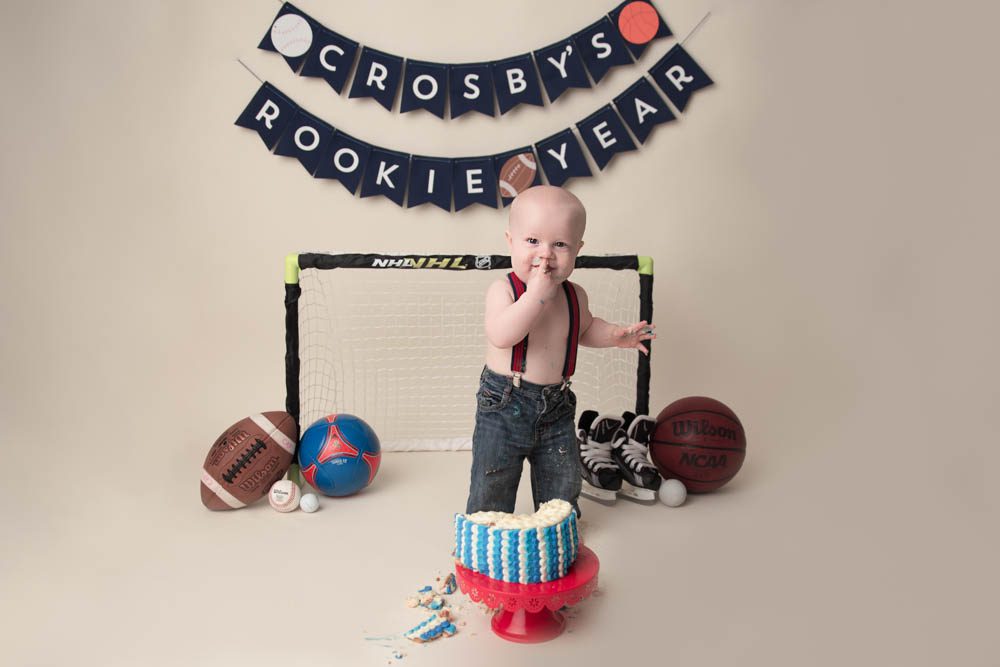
{"x":339,"y":455}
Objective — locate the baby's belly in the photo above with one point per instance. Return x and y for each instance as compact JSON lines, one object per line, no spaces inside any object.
{"x":544,"y":363}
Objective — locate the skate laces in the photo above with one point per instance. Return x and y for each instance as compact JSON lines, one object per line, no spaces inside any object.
{"x":634,"y":442}
{"x":595,"y":442}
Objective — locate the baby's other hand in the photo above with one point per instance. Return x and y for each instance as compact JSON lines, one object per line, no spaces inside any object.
{"x":632,"y":336}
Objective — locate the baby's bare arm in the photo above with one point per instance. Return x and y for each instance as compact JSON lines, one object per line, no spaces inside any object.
{"x":508,"y":321}
{"x":596,"y":332}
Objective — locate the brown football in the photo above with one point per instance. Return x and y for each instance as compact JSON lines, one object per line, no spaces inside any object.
{"x":247,"y":459}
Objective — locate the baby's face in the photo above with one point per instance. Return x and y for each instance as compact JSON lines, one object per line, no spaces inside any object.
{"x":545,"y":239}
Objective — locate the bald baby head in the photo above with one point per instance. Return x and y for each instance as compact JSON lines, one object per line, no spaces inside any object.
{"x":548,"y":204}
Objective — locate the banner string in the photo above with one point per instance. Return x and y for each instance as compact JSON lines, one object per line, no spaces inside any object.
{"x":694,"y":29}
{"x":250,"y":70}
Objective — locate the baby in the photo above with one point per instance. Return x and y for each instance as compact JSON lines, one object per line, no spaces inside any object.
{"x":535,"y":318}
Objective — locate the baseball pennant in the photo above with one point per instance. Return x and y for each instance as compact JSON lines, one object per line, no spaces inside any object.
{"x":516,"y":82}
{"x":643,"y":109}
{"x":605,"y":135}
{"x":560,"y":68}
{"x":517,"y":170}
{"x":562,"y":158}
{"x":602,"y":48}
{"x":292,"y":35}
{"x":430,"y":181}
{"x":345,"y":161}
{"x":425,"y":86}
{"x":330,"y":58}
{"x":679,"y":76}
{"x":474,"y":182}
{"x":377,"y":76}
{"x":471,"y":89}
{"x":306,"y":138}
{"x":639,"y":24}
{"x":269,"y":112}
{"x":386,"y":175}
{"x":313,"y":50}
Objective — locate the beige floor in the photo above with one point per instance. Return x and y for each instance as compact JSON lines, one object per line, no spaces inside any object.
{"x":774,"y":569}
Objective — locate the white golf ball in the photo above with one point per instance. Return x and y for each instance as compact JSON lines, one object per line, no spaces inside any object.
{"x":673,"y":493}
{"x":309,"y":503}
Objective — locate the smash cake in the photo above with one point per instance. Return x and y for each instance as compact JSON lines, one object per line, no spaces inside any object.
{"x":519,"y":548}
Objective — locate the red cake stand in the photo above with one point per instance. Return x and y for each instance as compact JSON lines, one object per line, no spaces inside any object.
{"x":529,"y":613}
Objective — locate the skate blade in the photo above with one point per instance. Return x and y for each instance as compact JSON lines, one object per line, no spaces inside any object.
{"x":603,"y":496}
{"x":638,"y":494}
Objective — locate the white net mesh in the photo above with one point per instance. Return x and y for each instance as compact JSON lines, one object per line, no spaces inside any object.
{"x":403,"y":349}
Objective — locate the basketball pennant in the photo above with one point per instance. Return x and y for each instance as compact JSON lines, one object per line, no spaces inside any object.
{"x":408,"y":180}
{"x":311,"y":49}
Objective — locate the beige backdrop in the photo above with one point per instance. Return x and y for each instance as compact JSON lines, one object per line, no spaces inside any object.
{"x":823,"y":223}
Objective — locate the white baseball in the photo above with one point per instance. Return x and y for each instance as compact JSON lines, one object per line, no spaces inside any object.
{"x":284,"y":495}
{"x":673,"y":493}
{"x":309,"y":503}
{"x":291,"y":35}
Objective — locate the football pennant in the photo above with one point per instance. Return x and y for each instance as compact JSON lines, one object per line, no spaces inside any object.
{"x":291,"y":34}
{"x":562,"y":158}
{"x":643,"y":109}
{"x":344,"y":160}
{"x":306,"y":138}
{"x":474,"y":182}
{"x":377,"y":76}
{"x":639,"y":24}
{"x":605,"y":135}
{"x":516,"y":170}
{"x":471,"y":89}
{"x":425,"y":86}
{"x":331,"y":58}
{"x":386,"y":175}
{"x":601,"y":48}
{"x":269,"y":113}
{"x":430,"y":181}
{"x":679,"y":76}
{"x":516,"y":83}
{"x":560,"y":68}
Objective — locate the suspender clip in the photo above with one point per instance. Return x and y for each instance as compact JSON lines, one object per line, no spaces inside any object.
{"x":517,"y":379}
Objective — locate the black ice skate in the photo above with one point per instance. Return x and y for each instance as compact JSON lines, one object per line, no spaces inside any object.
{"x":601,"y":476}
{"x":630,"y":450}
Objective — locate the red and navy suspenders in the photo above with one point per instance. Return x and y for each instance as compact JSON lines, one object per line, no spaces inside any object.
{"x":519,"y":354}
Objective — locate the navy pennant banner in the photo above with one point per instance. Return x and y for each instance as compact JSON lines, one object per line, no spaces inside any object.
{"x":269,"y":112}
{"x":639,"y":24}
{"x":425,"y":86}
{"x":643,"y":109}
{"x":516,"y":83}
{"x":517,"y":170}
{"x":377,"y":76}
{"x":291,"y":34}
{"x":330,"y":58}
{"x":560,"y":68}
{"x":679,"y":76}
{"x":344,"y":160}
{"x":474,"y":182}
{"x":601,"y":48}
{"x":306,"y":138}
{"x":386,"y":175}
{"x":430,"y":181}
{"x":471,"y":89}
{"x":562,"y":158}
{"x":605,"y":135}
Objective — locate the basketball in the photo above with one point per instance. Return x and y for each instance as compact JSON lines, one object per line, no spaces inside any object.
{"x":339,"y":455}
{"x":517,"y":174}
{"x":638,"y":22}
{"x":698,"y":441}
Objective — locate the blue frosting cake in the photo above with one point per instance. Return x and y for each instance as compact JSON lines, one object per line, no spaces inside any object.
{"x":519,"y":548}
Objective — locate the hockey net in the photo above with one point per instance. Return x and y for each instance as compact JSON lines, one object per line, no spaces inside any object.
{"x":399,"y":341}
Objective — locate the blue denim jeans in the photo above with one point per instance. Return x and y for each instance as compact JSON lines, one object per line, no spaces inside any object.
{"x":534,"y":422}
